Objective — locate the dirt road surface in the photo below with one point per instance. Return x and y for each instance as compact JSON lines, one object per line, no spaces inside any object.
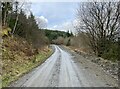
{"x":66,"y":69}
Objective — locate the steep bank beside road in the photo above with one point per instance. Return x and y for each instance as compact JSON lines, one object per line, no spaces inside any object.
{"x":19,"y":57}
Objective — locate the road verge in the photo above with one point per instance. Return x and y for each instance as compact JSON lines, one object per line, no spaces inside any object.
{"x":19,"y":58}
{"x":108,"y":66}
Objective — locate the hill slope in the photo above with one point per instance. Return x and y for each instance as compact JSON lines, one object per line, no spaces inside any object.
{"x":19,"y":57}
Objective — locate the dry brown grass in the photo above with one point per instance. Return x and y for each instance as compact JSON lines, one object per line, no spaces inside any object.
{"x":19,"y":57}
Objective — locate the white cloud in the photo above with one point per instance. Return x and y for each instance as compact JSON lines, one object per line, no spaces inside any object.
{"x":42,"y":21}
{"x":68,"y":25}
{"x":55,"y":26}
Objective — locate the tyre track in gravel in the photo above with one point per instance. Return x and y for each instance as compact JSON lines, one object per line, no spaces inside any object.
{"x":65,"y":69}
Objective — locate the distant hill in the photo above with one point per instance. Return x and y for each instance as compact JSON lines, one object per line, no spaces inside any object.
{"x":54,"y":34}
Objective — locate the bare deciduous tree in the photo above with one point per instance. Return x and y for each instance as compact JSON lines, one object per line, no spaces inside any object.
{"x":100,"y":23}
{"x":17,"y":16}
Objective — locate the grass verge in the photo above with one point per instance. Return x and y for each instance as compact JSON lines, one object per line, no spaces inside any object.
{"x":21,"y":69}
{"x":19,"y":58}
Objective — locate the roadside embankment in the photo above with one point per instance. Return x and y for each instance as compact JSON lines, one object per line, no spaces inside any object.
{"x":19,"y":57}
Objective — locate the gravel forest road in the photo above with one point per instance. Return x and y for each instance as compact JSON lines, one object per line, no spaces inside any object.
{"x":66,"y":69}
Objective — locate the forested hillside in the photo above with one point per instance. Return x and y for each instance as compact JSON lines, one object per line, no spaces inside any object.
{"x":54,"y":35}
{"x":24,"y":46}
{"x":21,"y":24}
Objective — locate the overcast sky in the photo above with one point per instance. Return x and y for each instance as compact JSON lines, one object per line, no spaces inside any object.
{"x":57,"y":15}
